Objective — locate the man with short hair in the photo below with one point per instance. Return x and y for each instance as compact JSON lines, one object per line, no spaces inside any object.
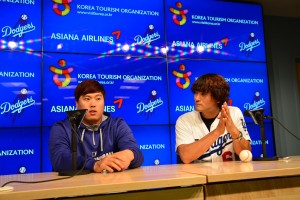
{"x":109,"y":142}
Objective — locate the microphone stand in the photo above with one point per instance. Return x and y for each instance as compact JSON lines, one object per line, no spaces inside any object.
{"x":75,"y":118}
{"x":258,"y":118}
{"x":263,"y":139}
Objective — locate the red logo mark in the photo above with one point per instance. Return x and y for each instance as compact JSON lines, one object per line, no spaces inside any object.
{"x":119,"y":102}
{"x":118,"y":33}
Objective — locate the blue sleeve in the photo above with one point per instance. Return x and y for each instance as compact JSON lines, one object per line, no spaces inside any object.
{"x":60,"y":149}
{"x":126,"y":140}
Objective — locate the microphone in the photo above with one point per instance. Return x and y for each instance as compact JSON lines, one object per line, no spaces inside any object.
{"x":75,"y":117}
{"x":256,"y":115}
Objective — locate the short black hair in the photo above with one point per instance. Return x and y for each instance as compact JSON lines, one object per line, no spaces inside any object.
{"x":88,"y":86}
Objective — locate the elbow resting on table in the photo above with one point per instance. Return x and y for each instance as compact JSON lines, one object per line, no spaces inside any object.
{"x":184,"y":154}
{"x":185,"y":159}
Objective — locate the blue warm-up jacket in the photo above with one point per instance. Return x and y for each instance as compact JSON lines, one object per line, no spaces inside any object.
{"x":111,"y":136}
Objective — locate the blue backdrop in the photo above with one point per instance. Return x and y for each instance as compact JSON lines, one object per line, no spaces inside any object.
{"x":146,"y":54}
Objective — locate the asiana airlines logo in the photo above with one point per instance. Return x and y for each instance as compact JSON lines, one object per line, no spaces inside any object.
{"x":62,"y":7}
{"x":149,"y":36}
{"x":179,"y":14}
{"x":17,"y":107}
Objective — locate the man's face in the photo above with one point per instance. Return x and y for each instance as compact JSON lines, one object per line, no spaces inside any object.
{"x":94,"y":102}
{"x":205,"y":103}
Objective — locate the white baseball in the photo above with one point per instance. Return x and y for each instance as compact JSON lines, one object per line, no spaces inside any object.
{"x":24,"y":17}
{"x":245,"y":155}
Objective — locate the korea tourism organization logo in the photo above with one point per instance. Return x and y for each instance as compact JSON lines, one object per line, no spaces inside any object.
{"x":61,"y":7}
{"x":62,"y":75}
{"x":16,"y":108}
{"x":150,"y":105}
{"x":179,"y":14}
{"x":182,"y":77}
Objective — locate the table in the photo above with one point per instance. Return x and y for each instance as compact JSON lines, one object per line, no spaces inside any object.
{"x":153,"y":182}
{"x":209,"y":180}
{"x":278,"y":179}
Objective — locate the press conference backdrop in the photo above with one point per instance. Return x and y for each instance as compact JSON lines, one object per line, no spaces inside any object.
{"x":146,"y":53}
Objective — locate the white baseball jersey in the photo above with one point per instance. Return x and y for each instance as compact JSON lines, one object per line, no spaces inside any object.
{"x":190,"y":128}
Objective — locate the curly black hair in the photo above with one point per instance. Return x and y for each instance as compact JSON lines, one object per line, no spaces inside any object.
{"x":214,"y":84}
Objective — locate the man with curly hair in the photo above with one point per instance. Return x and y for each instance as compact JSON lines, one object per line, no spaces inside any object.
{"x":214,"y":131}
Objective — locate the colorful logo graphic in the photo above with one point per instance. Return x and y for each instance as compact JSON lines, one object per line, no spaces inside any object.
{"x":16,"y":108}
{"x":179,"y":14}
{"x":64,"y":4}
{"x":64,"y":72}
{"x":185,"y":76}
{"x":250,"y":44}
{"x":152,"y":103}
